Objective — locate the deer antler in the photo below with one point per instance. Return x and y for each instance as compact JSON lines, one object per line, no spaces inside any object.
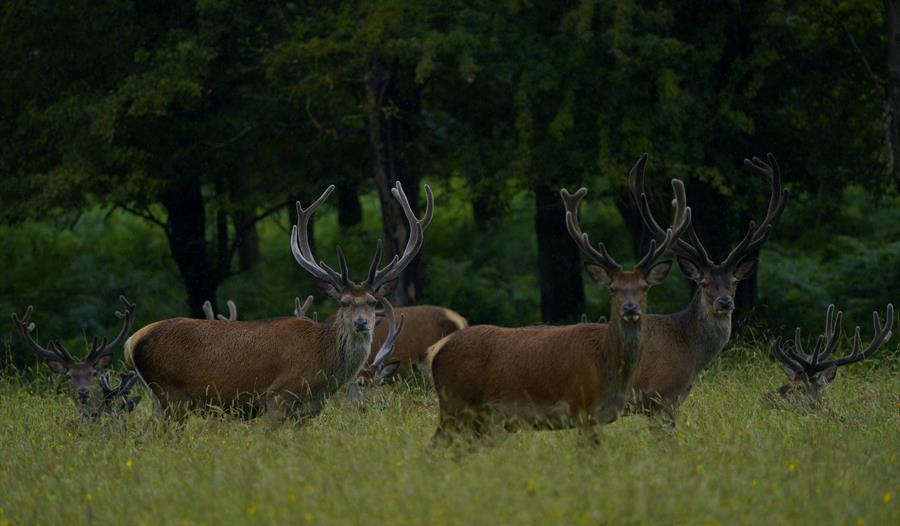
{"x":300,"y":247}
{"x":100,"y":348}
{"x":25,"y":327}
{"x":812,"y":363}
{"x":597,"y":255}
{"x":393,"y":332}
{"x":414,"y":240}
{"x":300,"y":310}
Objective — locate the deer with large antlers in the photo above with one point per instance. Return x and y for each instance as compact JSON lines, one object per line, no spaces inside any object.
{"x":551,"y":377}
{"x":809,"y":373}
{"x":676,"y":347}
{"x":286,"y":366}
{"x":81,"y":376}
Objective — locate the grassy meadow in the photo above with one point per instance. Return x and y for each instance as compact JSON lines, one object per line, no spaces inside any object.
{"x":731,"y":461}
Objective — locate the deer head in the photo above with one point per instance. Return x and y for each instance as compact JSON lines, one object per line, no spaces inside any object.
{"x":81,"y":376}
{"x":628,"y":288}
{"x":809,"y":373}
{"x":211,"y":314}
{"x":717,"y":283}
{"x":356,"y":315}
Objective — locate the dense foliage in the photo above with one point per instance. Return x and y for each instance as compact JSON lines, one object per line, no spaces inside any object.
{"x":153,"y":148}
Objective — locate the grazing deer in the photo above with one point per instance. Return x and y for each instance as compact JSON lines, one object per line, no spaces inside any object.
{"x":809,"y":373}
{"x":116,"y":400}
{"x":81,"y":376}
{"x":426,"y":325}
{"x":211,"y":314}
{"x":676,"y":347}
{"x":287,"y":366}
{"x":552,"y":377}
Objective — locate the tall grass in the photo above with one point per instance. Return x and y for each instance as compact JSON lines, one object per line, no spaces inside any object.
{"x":731,"y":461}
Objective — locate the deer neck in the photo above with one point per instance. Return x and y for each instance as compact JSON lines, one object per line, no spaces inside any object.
{"x":347,"y":354}
{"x":623,"y":340}
{"x":706,"y":332}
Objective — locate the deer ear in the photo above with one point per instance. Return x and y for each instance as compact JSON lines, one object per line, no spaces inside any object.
{"x":328,"y":289}
{"x":598,"y":274}
{"x":827,"y":375}
{"x":385,"y":289}
{"x":744,"y":269}
{"x":690,"y":270}
{"x":57,"y":367}
{"x":659,"y":272}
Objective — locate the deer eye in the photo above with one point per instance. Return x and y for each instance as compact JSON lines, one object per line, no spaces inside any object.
{"x":346,"y":302}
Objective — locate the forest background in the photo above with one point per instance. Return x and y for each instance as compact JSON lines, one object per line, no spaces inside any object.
{"x":156,"y":149}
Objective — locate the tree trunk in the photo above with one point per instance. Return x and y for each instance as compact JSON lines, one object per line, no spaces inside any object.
{"x":892,"y":17}
{"x":247,"y":240}
{"x":392,"y":111}
{"x":349,"y":209}
{"x":559,"y":261}
{"x":187,"y":241}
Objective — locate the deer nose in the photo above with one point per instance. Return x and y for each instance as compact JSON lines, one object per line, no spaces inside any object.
{"x":724,"y":303}
{"x":631,"y":312}
{"x":83,"y":392}
{"x":360,"y":324}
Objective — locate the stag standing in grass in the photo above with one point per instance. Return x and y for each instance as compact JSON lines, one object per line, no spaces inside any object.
{"x":676,"y":347}
{"x":287,"y":366}
{"x":809,"y":373}
{"x":82,"y":377}
{"x":550,"y":377}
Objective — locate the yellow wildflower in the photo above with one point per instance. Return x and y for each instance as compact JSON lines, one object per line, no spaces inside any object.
{"x":251,"y":509}
{"x":129,"y":463}
{"x":887,"y":497}
{"x":792,"y":466}
{"x":308,"y":517}
{"x":88,"y":497}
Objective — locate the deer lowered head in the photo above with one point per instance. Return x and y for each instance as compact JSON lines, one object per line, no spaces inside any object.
{"x":808,"y":373}
{"x":81,"y":376}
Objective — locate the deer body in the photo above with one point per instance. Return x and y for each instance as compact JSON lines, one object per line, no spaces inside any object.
{"x":544,"y":377}
{"x":291,"y":359}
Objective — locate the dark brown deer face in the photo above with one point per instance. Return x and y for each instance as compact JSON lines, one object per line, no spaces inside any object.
{"x":357,"y":312}
{"x":717,"y":283}
{"x":809,"y":373}
{"x":81,"y":377}
{"x":628,"y":288}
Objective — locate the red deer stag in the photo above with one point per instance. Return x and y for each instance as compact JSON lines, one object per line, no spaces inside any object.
{"x":287,"y":366}
{"x":809,"y":373}
{"x":81,"y":376}
{"x":676,"y":347}
{"x":211,"y":314}
{"x":552,"y":377}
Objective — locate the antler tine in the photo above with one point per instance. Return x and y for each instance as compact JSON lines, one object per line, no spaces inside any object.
{"x":208,"y":310}
{"x":61,"y":351}
{"x":300,"y":310}
{"x":393,"y":332}
{"x":694,"y":250}
{"x":25,"y":327}
{"x":300,"y":247}
{"x":127,"y":317}
{"x":782,"y":357}
{"x":232,"y":312}
{"x":104,"y":384}
{"x":597,"y":255}
{"x":126,"y":382}
{"x":882,"y":335}
{"x":797,"y":353}
{"x":833,"y":331}
{"x":679,"y":224}
{"x":756,"y":236}
{"x":414,"y":239}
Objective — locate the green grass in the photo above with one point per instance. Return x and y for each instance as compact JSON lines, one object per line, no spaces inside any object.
{"x":732,"y":461}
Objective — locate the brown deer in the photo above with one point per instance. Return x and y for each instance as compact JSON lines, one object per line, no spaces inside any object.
{"x":676,"y":347}
{"x":552,"y":377}
{"x":211,"y":314}
{"x":285,"y":366}
{"x":426,"y":325}
{"x":809,"y":373}
{"x":81,"y":376}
